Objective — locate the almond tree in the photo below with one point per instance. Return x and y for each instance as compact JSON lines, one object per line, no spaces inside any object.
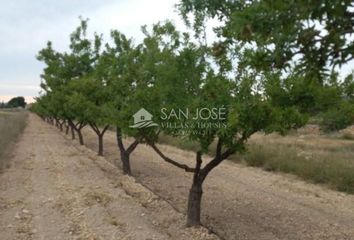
{"x":186,"y":81}
{"x":91,"y":84}
{"x":90,"y":96}
{"x":309,"y":40}
{"x":119,"y":67}
{"x":63,"y":68}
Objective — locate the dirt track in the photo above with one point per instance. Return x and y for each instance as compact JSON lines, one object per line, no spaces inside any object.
{"x":56,"y":189}
{"x":241,"y":202}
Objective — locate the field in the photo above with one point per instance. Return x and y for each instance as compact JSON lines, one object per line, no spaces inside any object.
{"x":12,"y":124}
{"x":54,"y":179}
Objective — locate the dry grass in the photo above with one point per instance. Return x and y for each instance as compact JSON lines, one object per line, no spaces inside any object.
{"x":347,"y":136}
{"x":313,"y":157}
{"x":335,"y":169}
{"x":12,"y":124}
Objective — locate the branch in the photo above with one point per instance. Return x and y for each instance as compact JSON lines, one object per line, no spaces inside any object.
{"x":71,"y":124}
{"x":82,"y":124}
{"x":169,"y":160}
{"x":218,"y":148}
{"x":221,"y":156}
{"x":132,"y":147}
{"x":105,"y":129}
{"x":95,"y":128}
{"x":119,"y":139}
{"x":121,"y":145}
{"x":197,"y":167}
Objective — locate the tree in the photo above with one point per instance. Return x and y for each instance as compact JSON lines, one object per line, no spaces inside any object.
{"x":308,"y":40}
{"x":90,"y":83}
{"x":119,"y":67}
{"x":93,"y":98}
{"x":64,"y":68}
{"x":185,"y":81}
{"x":16,"y":102}
{"x":244,"y":113}
{"x":290,"y":47}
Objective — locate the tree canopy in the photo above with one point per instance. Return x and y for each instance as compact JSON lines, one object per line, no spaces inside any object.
{"x":313,"y":35}
{"x":16,"y":102}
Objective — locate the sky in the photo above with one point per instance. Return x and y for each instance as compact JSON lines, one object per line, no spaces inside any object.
{"x":26,"y":26}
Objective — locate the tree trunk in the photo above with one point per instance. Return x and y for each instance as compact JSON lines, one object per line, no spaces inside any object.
{"x":126,"y":163}
{"x":67,"y":129}
{"x":195,"y":194}
{"x":61,"y":126}
{"x":72,"y":129}
{"x":194,"y":204}
{"x":81,"y":139}
{"x":100,"y":145}
{"x":72,"y":133}
{"x":100,"y":135}
{"x":125,"y":153}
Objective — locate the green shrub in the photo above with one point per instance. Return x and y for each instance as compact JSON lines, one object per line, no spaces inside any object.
{"x":338,"y":117}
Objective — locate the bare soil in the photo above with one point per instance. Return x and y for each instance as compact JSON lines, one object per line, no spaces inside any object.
{"x":242,"y":202}
{"x":56,"y":189}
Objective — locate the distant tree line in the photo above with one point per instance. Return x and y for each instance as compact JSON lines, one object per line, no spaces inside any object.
{"x":14,"y":103}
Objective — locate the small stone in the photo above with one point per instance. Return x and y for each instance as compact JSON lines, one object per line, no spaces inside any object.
{"x":140,"y":227}
{"x":17,"y":216}
{"x":25,"y":211}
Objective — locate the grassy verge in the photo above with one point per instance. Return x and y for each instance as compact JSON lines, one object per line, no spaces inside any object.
{"x":332,"y":165}
{"x":12,"y":124}
{"x":331,"y":169}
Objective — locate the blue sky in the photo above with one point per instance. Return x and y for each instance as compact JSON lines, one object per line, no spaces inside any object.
{"x":26,"y":26}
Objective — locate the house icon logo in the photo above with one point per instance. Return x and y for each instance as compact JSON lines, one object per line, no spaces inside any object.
{"x":142,"y":119}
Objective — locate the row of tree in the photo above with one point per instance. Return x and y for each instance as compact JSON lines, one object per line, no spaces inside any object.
{"x":103,"y":85}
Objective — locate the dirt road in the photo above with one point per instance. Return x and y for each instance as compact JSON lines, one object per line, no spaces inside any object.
{"x":242,"y":202}
{"x":56,"y":189}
